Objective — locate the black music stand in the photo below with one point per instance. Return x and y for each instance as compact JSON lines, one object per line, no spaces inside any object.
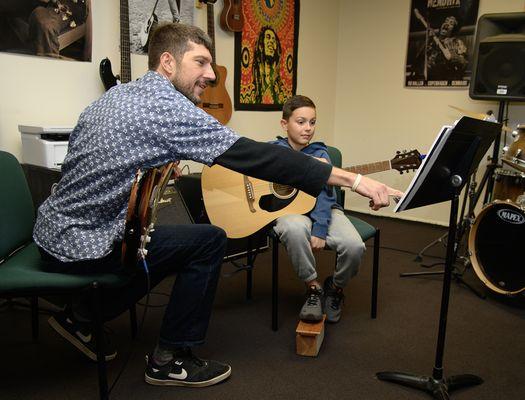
{"x":453,"y":158}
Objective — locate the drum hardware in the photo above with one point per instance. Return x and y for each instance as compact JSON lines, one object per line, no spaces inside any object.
{"x":465,"y":222}
{"x":514,"y":154}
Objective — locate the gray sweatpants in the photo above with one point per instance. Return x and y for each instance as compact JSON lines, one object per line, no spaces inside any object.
{"x":294,"y":231}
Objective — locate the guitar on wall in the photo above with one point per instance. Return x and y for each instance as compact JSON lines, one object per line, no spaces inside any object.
{"x":146,"y":194}
{"x":242,"y":205}
{"x":232,"y":18}
{"x":106,"y":74}
{"x":215,"y":99}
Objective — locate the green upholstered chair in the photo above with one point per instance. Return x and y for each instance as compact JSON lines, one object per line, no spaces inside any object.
{"x":21,"y":273}
{"x":366,"y":231}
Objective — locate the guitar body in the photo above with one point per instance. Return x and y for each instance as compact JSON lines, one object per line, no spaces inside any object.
{"x":106,"y":74}
{"x":232,"y":18}
{"x":215,"y":99}
{"x":228,"y":204}
{"x":146,"y":193}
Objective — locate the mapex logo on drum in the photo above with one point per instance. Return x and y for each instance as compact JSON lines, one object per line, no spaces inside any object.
{"x":511,"y":216}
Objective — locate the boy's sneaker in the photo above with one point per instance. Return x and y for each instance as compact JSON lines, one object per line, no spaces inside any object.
{"x":80,"y":336}
{"x":312,"y":310}
{"x":333,"y":300}
{"x":186,"y":369}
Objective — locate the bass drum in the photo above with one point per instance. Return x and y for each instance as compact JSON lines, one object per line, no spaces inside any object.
{"x":495,"y":246}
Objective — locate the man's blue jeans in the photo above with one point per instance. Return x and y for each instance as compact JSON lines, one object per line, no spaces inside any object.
{"x":193,"y":252}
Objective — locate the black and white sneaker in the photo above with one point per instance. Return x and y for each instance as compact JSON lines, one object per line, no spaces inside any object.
{"x":186,"y":370}
{"x":334,"y":299}
{"x":80,"y":336}
{"x":312,"y":310}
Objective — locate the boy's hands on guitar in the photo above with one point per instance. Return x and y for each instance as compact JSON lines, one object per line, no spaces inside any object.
{"x":378,"y":193}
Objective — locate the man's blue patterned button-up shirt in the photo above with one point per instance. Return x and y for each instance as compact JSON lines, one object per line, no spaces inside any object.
{"x":141,"y":124}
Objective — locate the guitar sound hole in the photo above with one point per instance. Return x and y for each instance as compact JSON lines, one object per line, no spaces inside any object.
{"x":270,"y":203}
{"x":282,"y":191}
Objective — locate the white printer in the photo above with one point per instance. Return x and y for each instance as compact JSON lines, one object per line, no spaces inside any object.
{"x":44,"y":146}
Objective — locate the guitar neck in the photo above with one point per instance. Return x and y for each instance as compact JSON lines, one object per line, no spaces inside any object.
{"x":365,"y":169}
{"x":211,"y":28}
{"x":125,"y":58}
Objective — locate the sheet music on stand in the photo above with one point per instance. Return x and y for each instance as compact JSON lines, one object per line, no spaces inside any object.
{"x":425,"y":166}
{"x":464,"y":136}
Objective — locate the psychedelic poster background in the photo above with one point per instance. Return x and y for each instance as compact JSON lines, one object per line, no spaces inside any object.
{"x":266,"y":55}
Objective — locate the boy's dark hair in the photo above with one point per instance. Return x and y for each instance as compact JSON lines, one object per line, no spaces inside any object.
{"x":295,"y":102}
{"x":174,"y":38}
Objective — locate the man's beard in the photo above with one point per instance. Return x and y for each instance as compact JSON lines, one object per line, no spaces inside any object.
{"x":186,"y":89}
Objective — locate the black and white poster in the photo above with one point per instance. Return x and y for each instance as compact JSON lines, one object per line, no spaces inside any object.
{"x":144,"y":15}
{"x":440,"y":43}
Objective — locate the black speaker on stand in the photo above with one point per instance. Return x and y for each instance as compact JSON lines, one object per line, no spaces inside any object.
{"x":499,"y":58}
{"x":498,"y":71}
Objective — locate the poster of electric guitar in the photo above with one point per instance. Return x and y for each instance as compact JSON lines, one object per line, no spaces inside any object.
{"x":440,"y":43}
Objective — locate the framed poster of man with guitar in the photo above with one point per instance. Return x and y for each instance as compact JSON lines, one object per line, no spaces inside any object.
{"x":440,"y":43}
{"x":144,"y":15}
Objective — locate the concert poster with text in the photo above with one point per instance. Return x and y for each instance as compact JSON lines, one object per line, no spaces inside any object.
{"x":266,"y":55}
{"x":440,"y":43}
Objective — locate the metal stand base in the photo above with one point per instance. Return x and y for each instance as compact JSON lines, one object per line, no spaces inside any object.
{"x":456,"y":276}
{"x":437,"y":388}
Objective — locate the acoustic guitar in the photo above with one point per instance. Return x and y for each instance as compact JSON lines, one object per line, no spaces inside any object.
{"x":232,"y":18}
{"x":146,"y":193}
{"x":242,"y":205}
{"x":215,"y":99}
{"x":106,"y":74}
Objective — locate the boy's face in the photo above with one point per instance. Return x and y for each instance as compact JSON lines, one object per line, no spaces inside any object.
{"x":300,"y":127}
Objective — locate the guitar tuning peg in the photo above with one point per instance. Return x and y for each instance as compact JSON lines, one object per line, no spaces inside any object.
{"x":398,"y":152}
{"x":401,"y":172}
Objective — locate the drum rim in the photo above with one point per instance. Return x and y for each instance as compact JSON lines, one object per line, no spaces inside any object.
{"x":476,"y":264}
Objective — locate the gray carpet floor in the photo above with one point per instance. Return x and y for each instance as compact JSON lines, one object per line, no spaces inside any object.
{"x":485,"y":337}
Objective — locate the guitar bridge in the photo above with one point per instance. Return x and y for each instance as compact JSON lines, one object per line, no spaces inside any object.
{"x":248,"y":189}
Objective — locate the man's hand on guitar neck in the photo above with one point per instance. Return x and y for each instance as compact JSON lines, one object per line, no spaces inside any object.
{"x":378,"y":193}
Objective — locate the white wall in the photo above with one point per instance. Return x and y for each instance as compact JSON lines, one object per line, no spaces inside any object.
{"x":375,"y":114}
{"x":350,"y":61}
{"x":41,"y":91}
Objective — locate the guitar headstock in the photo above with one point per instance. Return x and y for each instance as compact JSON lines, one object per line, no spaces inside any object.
{"x":406,"y":160}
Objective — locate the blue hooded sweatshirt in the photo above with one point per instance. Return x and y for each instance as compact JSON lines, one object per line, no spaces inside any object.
{"x":321,"y":214}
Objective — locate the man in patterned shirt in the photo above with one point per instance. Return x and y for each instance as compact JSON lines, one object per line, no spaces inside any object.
{"x":143,"y":124}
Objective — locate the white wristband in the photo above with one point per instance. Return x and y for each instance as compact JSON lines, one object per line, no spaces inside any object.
{"x":356,"y":182}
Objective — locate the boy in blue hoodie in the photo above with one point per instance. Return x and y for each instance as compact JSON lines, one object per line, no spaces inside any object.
{"x":326,"y":224}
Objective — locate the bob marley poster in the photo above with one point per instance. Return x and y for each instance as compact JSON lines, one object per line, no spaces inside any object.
{"x":266,"y":55}
{"x":440,"y":43}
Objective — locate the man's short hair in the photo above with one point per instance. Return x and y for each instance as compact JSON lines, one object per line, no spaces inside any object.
{"x":174,"y":38}
{"x":295,"y":102}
